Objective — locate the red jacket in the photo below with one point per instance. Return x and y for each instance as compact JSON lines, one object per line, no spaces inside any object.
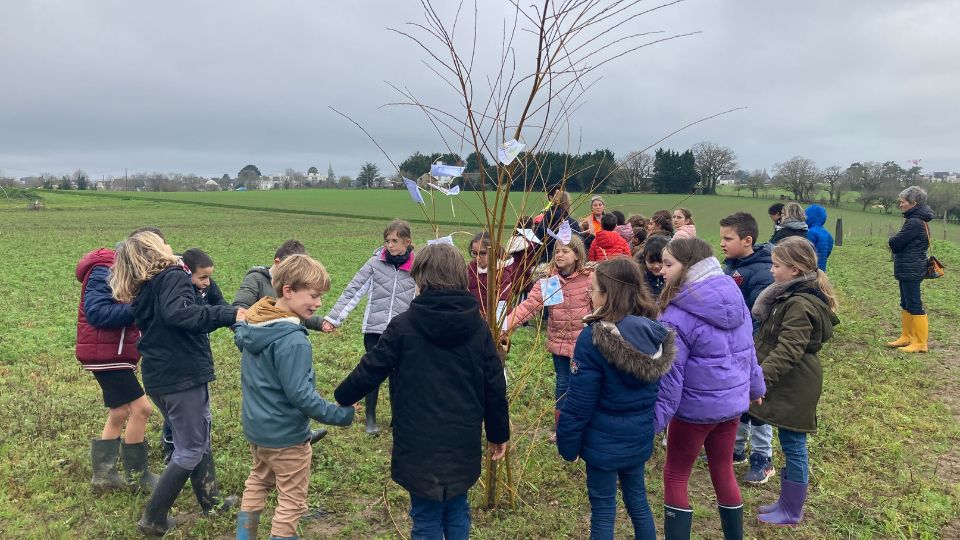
{"x":106,"y":335}
{"x":477,"y":283}
{"x":606,"y":245}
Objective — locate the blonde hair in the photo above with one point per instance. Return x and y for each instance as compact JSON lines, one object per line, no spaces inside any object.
{"x":139,"y":258}
{"x":576,"y":244}
{"x":794,"y":212}
{"x":796,"y":252}
{"x":300,"y":271}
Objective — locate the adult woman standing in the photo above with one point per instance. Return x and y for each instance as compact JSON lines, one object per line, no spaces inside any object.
{"x":597,"y":207}
{"x":909,"y":247}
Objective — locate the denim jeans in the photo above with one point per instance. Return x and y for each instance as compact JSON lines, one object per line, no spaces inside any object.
{"x":761,"y":439}
{"x":561,"y":364}
{"x":794,"y":446}
{"x":435,"y":520}
{"x":910,"y":297}
{"x":602,"y":490}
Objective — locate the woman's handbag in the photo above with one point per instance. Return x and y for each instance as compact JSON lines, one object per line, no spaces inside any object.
{"x":935,"y":268}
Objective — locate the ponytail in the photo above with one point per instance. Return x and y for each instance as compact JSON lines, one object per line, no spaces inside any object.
{"x":823,"y":283}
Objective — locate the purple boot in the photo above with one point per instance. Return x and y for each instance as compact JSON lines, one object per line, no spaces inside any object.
{"x":768,"y":508}
{"x":790,"y":512}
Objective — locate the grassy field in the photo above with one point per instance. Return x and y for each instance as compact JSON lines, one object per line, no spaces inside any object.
{"x":884,"y":464}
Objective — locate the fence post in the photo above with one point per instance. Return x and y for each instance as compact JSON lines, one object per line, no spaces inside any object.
{"x":839,"y":239}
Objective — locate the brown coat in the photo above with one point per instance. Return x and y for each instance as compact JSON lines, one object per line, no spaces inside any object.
{"x":799,"y":322}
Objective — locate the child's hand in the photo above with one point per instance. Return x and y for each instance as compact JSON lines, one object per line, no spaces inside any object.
{"x":497,"y":450}
{"x":241,"y":314}
{"x":758,"y":401}
{"x":327,"y":327}
{"x":505,"y":342}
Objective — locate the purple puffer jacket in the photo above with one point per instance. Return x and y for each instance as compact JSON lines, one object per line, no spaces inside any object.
{"x":715,"y":374}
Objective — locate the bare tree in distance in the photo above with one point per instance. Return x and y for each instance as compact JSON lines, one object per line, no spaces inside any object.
{"x":757,"y":181}
{"x":798,"y":175}
{"x":834,"y":178}
{"x":713,"y":161}
{"x":636,"y":173}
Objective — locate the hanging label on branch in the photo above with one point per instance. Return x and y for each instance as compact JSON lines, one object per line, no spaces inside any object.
{"x":552,"y":292}
{"x":455,"y":190}
{"x":414,"y":190}
{"x":444,"y":240}
{"x":563,"y":234}
{"x":508,"y":151}
{"x":445,"y":170}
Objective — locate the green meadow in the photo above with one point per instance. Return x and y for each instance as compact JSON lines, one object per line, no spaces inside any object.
{"x":884,"y":463}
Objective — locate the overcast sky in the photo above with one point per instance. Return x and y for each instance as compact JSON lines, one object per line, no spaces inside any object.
{"x":207,"y":87}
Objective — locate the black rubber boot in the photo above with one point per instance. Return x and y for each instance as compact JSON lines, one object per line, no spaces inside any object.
{"x":205,"y":487}
{"x":316,"y":435}
{"x":103,"y":458}
{"x":155,"y":521}
{"x":677,"y":523}
{"x":370,"y":408}
{"x":731,"y":521}
{"x":135,"y":470}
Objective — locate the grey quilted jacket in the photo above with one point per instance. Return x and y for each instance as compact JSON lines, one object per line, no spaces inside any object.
{"x":390,"y":291}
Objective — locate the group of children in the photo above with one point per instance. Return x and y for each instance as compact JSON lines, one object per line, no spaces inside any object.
{"x":638,"y":343}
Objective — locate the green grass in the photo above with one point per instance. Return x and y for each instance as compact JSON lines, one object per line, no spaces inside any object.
{"x":877,"y":461}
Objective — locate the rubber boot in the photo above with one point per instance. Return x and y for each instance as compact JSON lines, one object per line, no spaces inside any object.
{"x":793,"y":495}
{"x":731,"y":521}
{"x":677,"y":523}
{"x":135,"y":471}
{"x":103,"y":458}
{"x":904,"y":338}
{"x":316,"y":435}
{"x":918,"y":335}
{"x":203,"y":478}
{"x":768,"y":508}
{"x":247,"y":524}
{"x":370,"y":408}
{"x":155,"y":521}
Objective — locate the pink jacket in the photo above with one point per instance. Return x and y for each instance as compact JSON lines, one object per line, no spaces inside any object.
{"x":686,"y":231}
{"x":566,"y":319}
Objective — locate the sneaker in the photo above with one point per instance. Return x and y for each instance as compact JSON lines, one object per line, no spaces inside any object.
{"x":761,"y":469}
{"x":739,"y":458}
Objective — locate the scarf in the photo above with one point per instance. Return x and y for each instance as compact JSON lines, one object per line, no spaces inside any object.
{"x":398,"y":260}
{"x":764,"y":303}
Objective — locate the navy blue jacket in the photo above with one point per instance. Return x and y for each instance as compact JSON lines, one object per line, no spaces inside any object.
{"x":101,"y":309}
{"x":752,"y":274}
{"x":910,"y":245}
{"x":819,"y":236}
{"x":173,"y":332}
{"x":607,"y":416}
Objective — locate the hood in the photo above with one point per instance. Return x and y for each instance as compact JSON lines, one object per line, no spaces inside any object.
{"x":715,"y":299}
{"x":97,"y":257}
{"x":262,"y":270}
{"x":921,"y":211}
{"x":636,"y":346}
{"x":265,"y":324}
{"x":446,"y":317}
{"x":761,"y":255}
{"x":794,"y":224}
{"x":816,"y":215}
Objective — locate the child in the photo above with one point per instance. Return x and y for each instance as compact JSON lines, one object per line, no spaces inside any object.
{"x":555,"y":216}
{"x":775,"y":212}
{"x":818,"y":235}
{"x":107,"y":348}
{"x":749,"y":266}
{"x":793,"y":222}
{"x":651,"y":261}
{"x":446,"y":382}
{"x":608,"y":243}
{"x":477,"y":272}
{"x":280,"y":397}
{"x":201,"y":275}
{"x":714,"y":377}
{"x":177,"y":366}
{"x":565,"y":319}
{"x":386,"y":280}
{"x":523,"y":247}
{"x":683,"y":224}
{"x":798,"y":314}
{"x":607,"y":417}
{"x":660,"y":223}
{"x":624,"y":229}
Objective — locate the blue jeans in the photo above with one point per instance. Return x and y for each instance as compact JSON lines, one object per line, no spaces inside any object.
{"x":435,"y":520}
{"x":602,"y":490}
{"x":910,"y":297}
{"x":794,"y":446}
{"x":761,"y":439}
{"x":561,"y":364}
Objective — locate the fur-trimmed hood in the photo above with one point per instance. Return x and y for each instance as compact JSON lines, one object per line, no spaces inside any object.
{"x":636,"y":346}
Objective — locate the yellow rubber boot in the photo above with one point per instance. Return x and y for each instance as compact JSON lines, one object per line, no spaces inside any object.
{"x":918,"y":335}
{"x":904,"y":338}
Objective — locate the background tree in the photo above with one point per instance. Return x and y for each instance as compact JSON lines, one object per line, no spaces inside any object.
{"x":250,"y":172}
{"x":313,"y":170}
{"x":834,"y":178}
{"x":81,"y":179}
{"x":344,"y":182}
{"x":713,"y":161}
{"x":294,"y":179}
{"x":674,"y":172}
{"x":636,"y":173}
{"x":944,"y":199}
{"x":369,"y":176}
{"x":65,"y":182}
{"x":798,"y":175}
{"x":867,"y":179}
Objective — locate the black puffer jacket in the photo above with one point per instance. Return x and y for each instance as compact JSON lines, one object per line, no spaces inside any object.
{"x":173,"y":333}
{"x":910,"y":245}
{"x":446,"y":382}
